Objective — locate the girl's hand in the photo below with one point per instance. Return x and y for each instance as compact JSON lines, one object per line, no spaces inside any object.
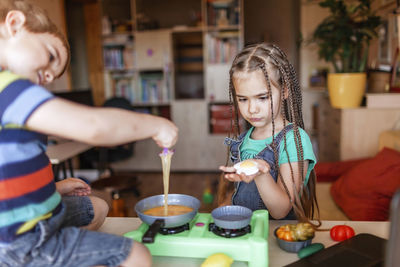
{"x":167,"y":134}
{"x":73,"y":187}
{"x":263,"y":166}
{"x":231,"y":175}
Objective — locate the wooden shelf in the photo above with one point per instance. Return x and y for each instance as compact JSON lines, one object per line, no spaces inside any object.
{"x":187,"y":29}
{"x":223,"y":28}
{"x":149,"y":104}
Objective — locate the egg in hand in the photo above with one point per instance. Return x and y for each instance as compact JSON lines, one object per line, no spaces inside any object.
{"x":248,"y":167}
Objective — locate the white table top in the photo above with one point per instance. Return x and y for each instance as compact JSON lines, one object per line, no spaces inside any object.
{"x":65,"y":150}
{"x":277,"y":257}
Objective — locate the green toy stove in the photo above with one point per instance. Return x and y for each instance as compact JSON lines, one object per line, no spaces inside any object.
{"x":200,"y":238}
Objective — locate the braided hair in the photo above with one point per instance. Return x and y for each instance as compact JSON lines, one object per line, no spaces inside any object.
{"x":277,"y":70}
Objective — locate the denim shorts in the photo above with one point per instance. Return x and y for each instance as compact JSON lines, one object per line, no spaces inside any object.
{"x":58,"y":242}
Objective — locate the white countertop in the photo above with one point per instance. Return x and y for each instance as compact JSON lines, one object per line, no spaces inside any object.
{"x":277,"y":257}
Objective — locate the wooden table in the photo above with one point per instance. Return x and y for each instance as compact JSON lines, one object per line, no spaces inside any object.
{"x":277,"y":256}
{"x":62,"y":152}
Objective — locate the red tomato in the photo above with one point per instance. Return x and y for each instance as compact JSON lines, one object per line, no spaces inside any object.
{"x":341,"y":232}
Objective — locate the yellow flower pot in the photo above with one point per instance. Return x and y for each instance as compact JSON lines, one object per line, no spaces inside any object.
{"x":346,"y":90}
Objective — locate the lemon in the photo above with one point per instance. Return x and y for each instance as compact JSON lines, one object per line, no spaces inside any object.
{"x":218,"y":260}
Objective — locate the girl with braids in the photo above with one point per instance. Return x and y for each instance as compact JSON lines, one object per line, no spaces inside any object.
{"x":263,"y":87}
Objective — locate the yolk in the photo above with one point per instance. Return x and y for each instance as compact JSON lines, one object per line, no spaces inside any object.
{"x":247,"y":164}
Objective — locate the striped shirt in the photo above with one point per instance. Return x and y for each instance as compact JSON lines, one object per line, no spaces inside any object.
{"x":27,"y":189}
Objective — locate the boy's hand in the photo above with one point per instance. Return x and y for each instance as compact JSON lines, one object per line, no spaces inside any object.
{"x":73,"y":187}
{"x":231,"y":175}
{"x":167,"y":134}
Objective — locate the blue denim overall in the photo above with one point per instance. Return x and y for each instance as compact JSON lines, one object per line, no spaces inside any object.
{"x":246,"y":194}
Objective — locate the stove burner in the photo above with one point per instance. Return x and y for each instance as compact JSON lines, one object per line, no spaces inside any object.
{"x":228,"y":233}
{"x":174,"y":230}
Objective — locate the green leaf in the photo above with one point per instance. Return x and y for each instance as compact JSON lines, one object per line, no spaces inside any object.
{"x":343,"y":37}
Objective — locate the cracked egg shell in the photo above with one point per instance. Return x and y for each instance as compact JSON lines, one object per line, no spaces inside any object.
{"x":247,"y":167}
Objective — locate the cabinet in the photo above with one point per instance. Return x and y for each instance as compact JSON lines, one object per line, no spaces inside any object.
{"x":174,"y":65}
{"x":345,"y":134}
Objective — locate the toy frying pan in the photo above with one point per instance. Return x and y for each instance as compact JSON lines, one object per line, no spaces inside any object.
{"x":156,"y":222}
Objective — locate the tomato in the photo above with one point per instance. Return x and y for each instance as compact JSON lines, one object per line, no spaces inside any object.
{"x":341,"y":232}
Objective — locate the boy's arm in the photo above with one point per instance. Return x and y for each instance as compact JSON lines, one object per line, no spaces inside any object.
{"x":100,"y":126}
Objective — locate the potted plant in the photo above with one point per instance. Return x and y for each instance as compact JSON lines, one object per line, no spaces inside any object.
{"x":343,"y":39}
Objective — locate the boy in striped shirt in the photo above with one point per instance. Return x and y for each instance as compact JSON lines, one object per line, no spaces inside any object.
{"x":43,"y":223}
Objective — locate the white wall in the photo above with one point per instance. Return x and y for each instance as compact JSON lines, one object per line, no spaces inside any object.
{"x":310,"y":16}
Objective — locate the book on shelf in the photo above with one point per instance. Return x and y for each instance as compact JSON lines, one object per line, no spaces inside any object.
{"x":222,"y":50}
{"x":113,"y":58}
{"x":125,"y":86}
{"x":154,"y":89}
{"x":138,"y":88}
{"x":118,"y":57}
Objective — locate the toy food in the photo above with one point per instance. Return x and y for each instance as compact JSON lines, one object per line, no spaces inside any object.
{"x":309,"y":250}
{"x":218,"y":260}
{"x":341,"y":232}
{"x":165,"y":156}
{"x":247,"y":167}
{"x":295,"y":232}
{"x":173,"y":210}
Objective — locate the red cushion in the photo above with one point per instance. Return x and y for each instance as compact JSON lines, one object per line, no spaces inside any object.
{"x":364,"y":192}
{"x":330,"y":171}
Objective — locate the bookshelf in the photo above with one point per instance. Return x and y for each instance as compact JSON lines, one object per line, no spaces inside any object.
{"x":172,"y":58}
{"x":136,"y":63}
{"x":223,"y":39}
{"x":188,"y":62}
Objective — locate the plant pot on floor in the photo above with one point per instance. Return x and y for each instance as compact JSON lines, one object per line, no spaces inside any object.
{"x":346,"y":90}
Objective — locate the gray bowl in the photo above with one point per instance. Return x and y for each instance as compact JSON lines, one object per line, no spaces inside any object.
{"x":292,"y":246}
{"x":231,"y":217}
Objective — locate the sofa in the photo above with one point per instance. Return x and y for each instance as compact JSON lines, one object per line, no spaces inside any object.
{"x":361,"y":189}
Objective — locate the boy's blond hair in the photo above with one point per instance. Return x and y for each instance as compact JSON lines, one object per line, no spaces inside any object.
{"x":37,"y":20}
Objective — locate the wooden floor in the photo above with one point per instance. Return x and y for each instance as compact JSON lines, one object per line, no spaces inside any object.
{"x":194,"y":184}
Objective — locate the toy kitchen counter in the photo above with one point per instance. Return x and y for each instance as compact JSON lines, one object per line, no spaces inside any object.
{"x":196,"y":240}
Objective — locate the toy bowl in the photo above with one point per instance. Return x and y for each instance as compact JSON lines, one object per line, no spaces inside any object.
{"x":231,"y":217}
{"x":292,"y":246}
